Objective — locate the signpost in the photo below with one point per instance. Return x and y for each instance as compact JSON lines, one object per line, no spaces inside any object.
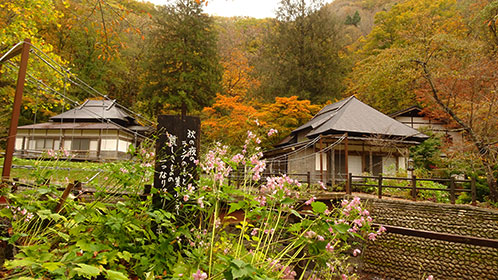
{"x":177,"y":154}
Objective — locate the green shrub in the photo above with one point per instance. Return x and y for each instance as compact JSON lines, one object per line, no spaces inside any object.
{"x":199,"y":237}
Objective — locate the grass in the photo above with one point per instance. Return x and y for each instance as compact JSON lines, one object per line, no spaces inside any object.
{"x":57,"y":171}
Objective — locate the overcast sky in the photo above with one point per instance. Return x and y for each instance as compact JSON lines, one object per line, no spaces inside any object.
{"x":229,"y":8}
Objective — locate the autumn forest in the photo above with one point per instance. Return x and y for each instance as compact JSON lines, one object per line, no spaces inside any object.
{"x":243,"y":74}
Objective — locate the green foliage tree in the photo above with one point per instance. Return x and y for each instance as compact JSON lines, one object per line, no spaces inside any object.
{"x":182,"y":64}
{"x":104,"y":44}
{"x":302,"y":53}
{"x":427,"y":155}
{"x":353,"y":20}
{"x":385,"y":75}
{"x":21,"y":20}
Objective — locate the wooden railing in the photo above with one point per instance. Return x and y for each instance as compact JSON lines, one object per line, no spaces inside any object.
{"x":414,"y":189}
{"x":238,"y":177}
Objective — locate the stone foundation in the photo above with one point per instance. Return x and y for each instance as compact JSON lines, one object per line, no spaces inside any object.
{"x":395,"y":256}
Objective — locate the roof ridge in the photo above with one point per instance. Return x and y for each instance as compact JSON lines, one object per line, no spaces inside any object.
{"x":337,"y":112}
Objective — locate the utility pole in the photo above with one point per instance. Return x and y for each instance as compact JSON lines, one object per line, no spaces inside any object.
{"x":22,"y":49}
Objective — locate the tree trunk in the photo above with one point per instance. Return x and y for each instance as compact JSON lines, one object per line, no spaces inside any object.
{"x":485,"y":154}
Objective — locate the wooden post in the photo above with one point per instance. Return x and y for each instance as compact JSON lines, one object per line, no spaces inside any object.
{"x":309,"y":179}
{"x":414,"y":187}
{"x":65,"y":194}
{"x":321,"y":159}
{"x":346,"y":162}
{"x":16,"y":110}
{"x":380,"y":186}
{"x":370,"y":163}
{"x":473,"y":190}
{"x":332,"y":166}
{"x":349,"y":183}
{"x":452,"y":190}
{"x":76,"y":188}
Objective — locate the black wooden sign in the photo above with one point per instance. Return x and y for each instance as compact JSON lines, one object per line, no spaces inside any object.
{"x":177,"y":152}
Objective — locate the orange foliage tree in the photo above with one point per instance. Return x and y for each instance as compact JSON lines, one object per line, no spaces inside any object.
{"x":237,"y":77}
{"x":465,"y":92}
{"x":229,"y":119}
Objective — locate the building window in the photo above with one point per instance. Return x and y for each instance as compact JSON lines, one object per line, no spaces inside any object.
{"x":40,"y":144}
{"x":82,"y":144}
{"x":324,"y":162}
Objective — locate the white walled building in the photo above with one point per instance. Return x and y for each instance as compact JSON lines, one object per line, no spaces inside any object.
{"x":98,"y":130}
{"x":415,"y":118}
{"x":376,"y":143}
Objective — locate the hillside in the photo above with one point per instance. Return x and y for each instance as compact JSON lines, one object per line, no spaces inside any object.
{"x":366,"y":10}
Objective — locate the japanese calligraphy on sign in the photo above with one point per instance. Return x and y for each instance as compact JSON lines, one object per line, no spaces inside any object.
{"x":177,"y":150}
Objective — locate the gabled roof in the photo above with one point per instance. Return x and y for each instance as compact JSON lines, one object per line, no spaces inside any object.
{"x":95,"y":110}
{"x":353,"y":116}
{"x":93,"y":114}
{"x":413,"y":111}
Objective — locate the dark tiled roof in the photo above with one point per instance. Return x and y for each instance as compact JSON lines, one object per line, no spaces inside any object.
{"x":68,"y":125}
{"x":93,"y":114}
{"x":410,"y":111}
{"x":353,"y":116}
{"x":95,"y":110}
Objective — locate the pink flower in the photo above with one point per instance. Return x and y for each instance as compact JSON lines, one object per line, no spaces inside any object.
{"x":344,"y":277}
{"x":261,"y":199}
{"x":51,"y":153}
{"x":250,"y":135}
{"x":322,"y":185}
{"x":372,"y":236}
{"x":311,"y":200}
{"x":381,"y":230}
{"x":430,"y":277}
{"x":66,"y":152}
{"x":320,"y":238}
{"x":185,"y":197}
{"x":329,"y":248}
{"x":331,"y":267}
{"x":200,"y":201}
{"x":254,"y":232}
{"x":272,"y":131}
{"x":199,"y":275}
{"x":237,"y":158}
{"x":356,"y":252}
{"x":310,"y":234}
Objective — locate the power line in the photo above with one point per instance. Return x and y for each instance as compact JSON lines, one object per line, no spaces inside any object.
{"x":80,"y":83}
{"x":326,"y":149}
{"x":38,"y":82}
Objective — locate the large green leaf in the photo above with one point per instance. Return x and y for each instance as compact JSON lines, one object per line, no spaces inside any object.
{"x":18,"y":263}
{"x":87,"y":271}
{"x":115,"y":275}
{"x":51,"y":266}
{"x":319,"y":207}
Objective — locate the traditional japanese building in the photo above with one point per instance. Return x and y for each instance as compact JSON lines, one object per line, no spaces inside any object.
{"x":345,"y":137}
{"x":97,"y":130}
{"x":414,"y":117}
